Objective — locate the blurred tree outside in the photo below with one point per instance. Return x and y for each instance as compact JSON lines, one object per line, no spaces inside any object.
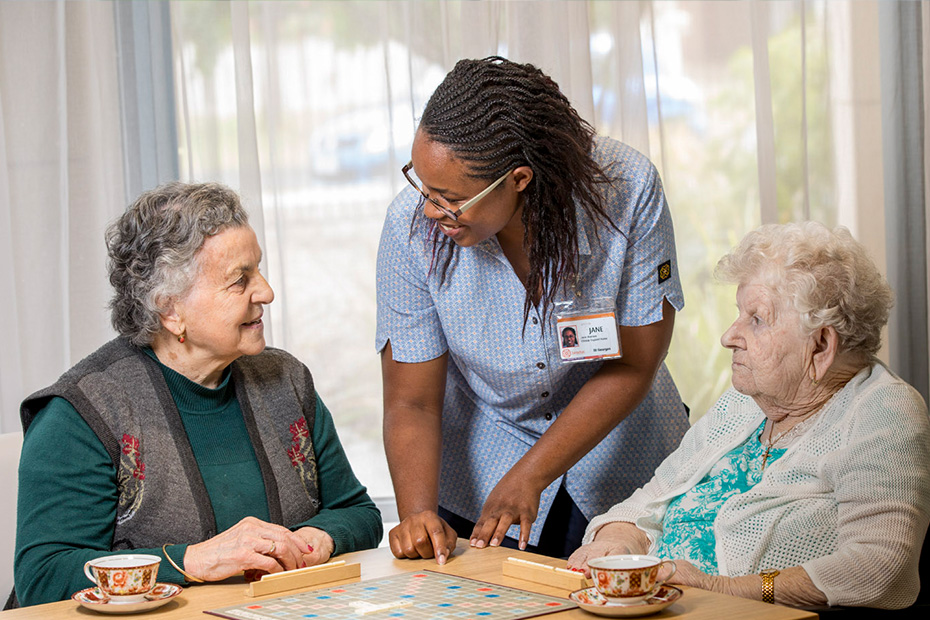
{"x":712,"y":185}
{"x":330,"y":147}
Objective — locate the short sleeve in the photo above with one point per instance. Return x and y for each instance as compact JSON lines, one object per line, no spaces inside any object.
{"x":650,"y":266}
{"x":407,"y":315}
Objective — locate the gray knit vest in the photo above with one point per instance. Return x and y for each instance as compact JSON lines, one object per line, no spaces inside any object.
{"x":122,"y":395}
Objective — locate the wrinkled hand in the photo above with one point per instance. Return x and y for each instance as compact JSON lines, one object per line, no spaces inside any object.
{"x":578,"y":561}
{"x":319,"y":545}
{"x":251,"y":544}
{"x":511,"y":502}
{"x":423,"y":535}
{"x":612,"y":539}
{"x":687,"y":574}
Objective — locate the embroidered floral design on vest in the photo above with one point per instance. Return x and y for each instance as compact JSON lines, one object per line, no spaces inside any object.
{"x":130,"y":478}
{"x":301,"y":454}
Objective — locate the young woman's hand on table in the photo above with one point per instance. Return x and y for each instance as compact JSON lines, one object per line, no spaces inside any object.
{"x":413,"y":397}
{"x":607,"y":398}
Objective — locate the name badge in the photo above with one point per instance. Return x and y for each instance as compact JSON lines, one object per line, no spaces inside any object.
{"x":588,"y":333}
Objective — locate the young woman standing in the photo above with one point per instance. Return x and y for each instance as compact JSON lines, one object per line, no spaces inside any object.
{"x":517,"y":218}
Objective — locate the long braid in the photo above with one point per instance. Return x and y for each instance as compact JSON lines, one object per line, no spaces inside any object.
{"x":496,"y":115}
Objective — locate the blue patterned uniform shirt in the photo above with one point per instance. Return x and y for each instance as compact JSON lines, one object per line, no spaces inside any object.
{"x":506,"y":385}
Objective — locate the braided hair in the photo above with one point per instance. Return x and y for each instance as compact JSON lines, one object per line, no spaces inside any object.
{"x":496,"y":115}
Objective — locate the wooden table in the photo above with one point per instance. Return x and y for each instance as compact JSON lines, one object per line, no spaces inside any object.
{"x":483,"y":564}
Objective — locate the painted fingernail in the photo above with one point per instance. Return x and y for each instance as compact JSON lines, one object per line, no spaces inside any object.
{"x":473,"y":542}
{"x":309,"y":548}
{"x":522,"y":545}
{"x":480,"y":544}
{"x":441,"y":559}
{"x":303,"y":565}
{"x":495,"y":542}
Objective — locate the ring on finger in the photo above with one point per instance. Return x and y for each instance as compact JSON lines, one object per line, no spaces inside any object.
{"x":270,"y":551}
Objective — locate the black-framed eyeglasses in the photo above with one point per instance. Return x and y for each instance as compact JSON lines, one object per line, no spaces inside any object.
{"x":445,"y":210}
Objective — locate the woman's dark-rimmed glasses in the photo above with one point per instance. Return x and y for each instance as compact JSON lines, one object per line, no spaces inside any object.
{"x":454,"y":215}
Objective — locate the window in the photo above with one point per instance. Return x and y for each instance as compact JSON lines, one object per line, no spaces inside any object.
{"x":309,"y":108}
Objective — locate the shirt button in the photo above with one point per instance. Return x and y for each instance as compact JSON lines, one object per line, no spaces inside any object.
{"x":548,"y":416}
{"x":535,"y":321}
{"x":544,"y":394}
{"x":540,"y":365}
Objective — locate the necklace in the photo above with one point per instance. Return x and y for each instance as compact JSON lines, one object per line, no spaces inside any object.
{"x":791,"y":432}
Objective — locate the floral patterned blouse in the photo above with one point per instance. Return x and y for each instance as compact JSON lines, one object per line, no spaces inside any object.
{"x":688,"y":526}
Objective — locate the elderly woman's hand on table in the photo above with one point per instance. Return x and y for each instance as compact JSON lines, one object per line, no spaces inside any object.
{"x":795,"y":587}
{"x":250,"y":544}
{"x":617,"y":538}
{"x":320,"y":545}
{"x":253,"y":544}
{"x":622,"y":538}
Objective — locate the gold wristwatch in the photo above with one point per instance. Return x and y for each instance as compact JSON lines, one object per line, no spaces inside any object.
{"x":768,"y":584}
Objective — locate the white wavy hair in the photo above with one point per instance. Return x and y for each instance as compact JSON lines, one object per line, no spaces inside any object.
{"x":825,"y":274}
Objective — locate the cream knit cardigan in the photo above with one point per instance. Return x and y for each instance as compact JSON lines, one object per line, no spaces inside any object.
{"x":848,"y":501}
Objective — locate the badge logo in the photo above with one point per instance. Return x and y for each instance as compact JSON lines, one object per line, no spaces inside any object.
{"x":665,"y":271}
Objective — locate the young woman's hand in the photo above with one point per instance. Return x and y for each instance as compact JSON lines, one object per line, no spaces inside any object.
{"x":512,"y":501}
{"x":423,"y":535}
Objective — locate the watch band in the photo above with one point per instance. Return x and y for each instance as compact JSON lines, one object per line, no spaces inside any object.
{"x":768,"y":584}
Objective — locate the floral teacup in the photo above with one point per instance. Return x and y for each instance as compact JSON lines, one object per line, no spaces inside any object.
{"x":628,"y":579}
{"x":125,"y":578}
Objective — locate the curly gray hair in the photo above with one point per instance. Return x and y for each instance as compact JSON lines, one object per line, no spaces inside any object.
{"x":153,"y":250}
{"x":826,"y":274}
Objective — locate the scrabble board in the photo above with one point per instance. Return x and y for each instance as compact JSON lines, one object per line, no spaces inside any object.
{"x":424,"y":595}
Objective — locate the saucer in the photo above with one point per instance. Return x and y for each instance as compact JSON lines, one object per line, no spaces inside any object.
{"x":590,"y":600}
{"x":92,"y":598}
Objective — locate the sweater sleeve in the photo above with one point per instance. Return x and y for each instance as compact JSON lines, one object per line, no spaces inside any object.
{"x":704,"y":443}
{"x":66,"y":509}
{"x":347,"y":513}
{"x":646,"y":507}
{"x":882,"y":482}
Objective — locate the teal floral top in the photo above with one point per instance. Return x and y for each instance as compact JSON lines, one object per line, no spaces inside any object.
{"x":688,"y":527}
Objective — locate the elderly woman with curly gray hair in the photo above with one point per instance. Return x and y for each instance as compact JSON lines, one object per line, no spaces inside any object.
{"x":808,"y":482}
{"x":184,"y":437}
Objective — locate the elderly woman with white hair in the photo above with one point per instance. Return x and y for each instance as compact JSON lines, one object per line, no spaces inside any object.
{"x":808,"y":483}
{"x":185,"y":437}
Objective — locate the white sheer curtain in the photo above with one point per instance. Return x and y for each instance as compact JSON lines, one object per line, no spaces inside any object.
{"x":60,"y":184}
{"x":753,"y":111}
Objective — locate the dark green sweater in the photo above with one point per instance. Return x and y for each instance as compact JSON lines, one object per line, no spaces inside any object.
{"x":68,"y":492}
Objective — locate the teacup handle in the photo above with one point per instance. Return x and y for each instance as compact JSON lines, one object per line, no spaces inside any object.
{"x":88,"y":573}
{"x":674,"y":566}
